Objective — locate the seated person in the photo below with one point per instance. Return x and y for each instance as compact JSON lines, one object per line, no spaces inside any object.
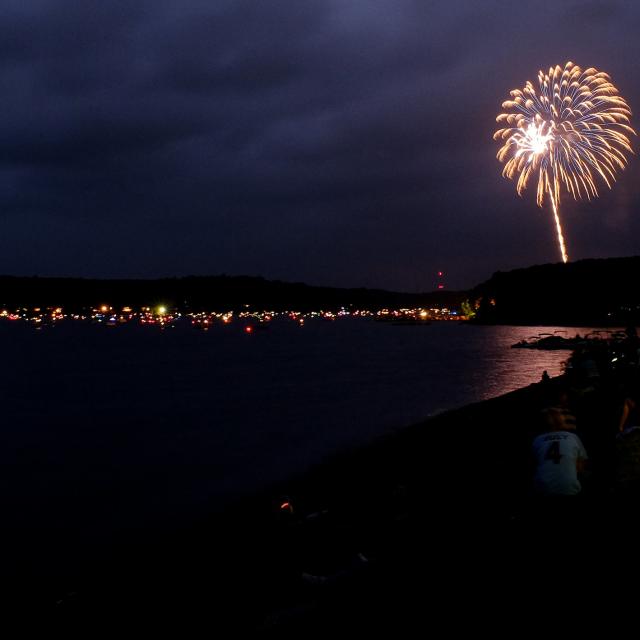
{"x":628,"y":446}
{"x":559,"y":454}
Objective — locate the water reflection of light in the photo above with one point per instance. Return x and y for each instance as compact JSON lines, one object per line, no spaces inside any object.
{"x":513,"y":369}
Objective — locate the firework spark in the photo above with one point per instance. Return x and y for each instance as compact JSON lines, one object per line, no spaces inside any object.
{"x":570,"y":131}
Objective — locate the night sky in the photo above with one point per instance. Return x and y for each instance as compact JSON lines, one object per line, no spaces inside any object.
{"x":335,"y":142}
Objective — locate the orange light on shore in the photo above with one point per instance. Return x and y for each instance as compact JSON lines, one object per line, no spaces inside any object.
{"x":286,"y":506}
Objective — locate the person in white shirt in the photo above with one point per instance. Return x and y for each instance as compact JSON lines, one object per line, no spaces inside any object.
{"x":559,"y":455}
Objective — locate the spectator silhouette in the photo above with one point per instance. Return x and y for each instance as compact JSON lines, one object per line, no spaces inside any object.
{"x":560,"y":462}
{"x":628,"y":447}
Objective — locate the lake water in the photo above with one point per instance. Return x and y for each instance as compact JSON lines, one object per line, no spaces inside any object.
{"x":107,"y":429}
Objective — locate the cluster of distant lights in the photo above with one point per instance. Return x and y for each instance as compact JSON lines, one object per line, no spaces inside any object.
{"x":162,"y":316}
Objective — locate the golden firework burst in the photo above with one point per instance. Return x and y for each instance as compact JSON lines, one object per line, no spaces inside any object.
{"x":572,"y":130}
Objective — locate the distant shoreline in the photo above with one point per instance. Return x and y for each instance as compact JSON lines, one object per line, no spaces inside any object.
{"x":206,"y":293}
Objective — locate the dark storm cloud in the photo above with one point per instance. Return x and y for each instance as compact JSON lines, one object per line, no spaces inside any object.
{"x":594,"y":13}
{"x":338,"y":142}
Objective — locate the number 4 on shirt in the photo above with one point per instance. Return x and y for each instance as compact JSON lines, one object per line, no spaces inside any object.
{"x":553,"y":452}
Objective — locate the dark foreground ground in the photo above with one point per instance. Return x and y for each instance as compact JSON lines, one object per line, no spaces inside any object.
{"x":430,"y":528}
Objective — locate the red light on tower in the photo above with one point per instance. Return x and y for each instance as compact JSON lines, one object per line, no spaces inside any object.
{"x":440,"y":282}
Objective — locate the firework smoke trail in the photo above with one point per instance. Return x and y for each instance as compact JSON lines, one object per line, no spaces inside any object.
{"x":570,"y":130}
{"x":556,"y":215}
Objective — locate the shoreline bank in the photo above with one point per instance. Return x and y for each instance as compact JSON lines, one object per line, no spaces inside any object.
{"x":444,"y":497}
{"x":415,"y":483}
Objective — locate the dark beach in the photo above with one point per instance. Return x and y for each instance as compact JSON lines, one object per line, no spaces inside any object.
{"x":433,"y":517}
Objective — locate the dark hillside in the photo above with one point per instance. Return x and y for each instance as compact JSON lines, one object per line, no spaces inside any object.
{"x":583,"y":293}
{"x":206,"y":293}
